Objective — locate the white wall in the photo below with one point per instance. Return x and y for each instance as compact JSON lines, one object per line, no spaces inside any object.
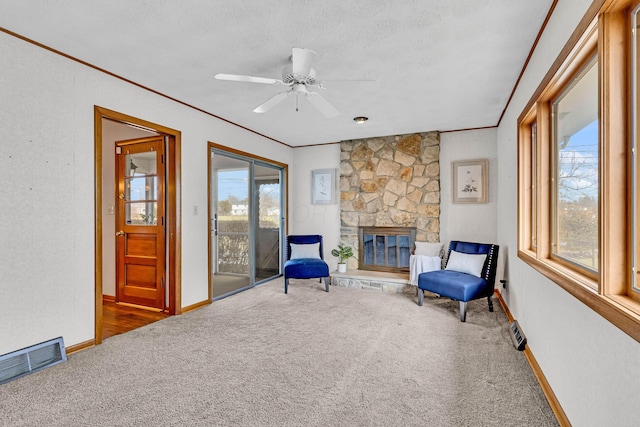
{"x":47,"y":194}
{"x":591,"y":365}
{"x":307,"y":218}
{"x":471,"y":222}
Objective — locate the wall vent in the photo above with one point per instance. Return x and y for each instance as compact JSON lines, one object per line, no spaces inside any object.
{"x":31,"y":359}
{"x":517,"y":336}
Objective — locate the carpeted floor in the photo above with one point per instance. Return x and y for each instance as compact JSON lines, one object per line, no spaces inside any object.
{"x":350,"y":357}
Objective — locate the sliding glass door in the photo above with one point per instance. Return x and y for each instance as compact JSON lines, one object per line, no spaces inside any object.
{"x":246,"y":221}
{"x":267,"y":221}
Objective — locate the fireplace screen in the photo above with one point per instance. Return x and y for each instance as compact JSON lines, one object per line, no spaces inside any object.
{"x":386,"y":248}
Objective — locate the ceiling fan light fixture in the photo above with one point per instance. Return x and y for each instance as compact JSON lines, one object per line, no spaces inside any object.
{"x":360,"y":119}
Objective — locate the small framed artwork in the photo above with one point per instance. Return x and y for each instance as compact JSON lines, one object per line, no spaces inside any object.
{"x":470,"y":181}
{"x":323,"y":186}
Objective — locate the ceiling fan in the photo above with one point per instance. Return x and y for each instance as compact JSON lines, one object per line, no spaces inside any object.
{"x":299,"y":76}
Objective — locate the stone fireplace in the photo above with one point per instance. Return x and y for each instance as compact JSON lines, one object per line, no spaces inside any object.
{"x":391,"y":181}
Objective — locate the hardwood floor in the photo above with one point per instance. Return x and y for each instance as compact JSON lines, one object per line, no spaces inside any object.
{"x":118,"y":318}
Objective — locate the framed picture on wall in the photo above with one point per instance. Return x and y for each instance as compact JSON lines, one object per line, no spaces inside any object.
{"x":470,"y":181}
{"x":323,"y":186}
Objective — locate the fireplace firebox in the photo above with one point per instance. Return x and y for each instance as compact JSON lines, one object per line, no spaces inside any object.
{"x":385,"y":248}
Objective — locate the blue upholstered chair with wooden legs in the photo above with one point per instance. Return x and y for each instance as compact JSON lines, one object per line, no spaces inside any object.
{"x":469,"y":273}
{"x":305,"y":260}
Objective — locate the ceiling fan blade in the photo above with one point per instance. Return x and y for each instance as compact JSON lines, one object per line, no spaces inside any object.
{"x":250,"y":79}
{"x":302,"y":60}
{"x":348,"y":84}
{"x":322,"y":105}
{"x":271,"y":102}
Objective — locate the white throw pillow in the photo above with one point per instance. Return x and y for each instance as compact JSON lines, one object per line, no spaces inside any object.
{"x":466,"y":263}
{"x":309,"y":250}
{"x":428,"y":248}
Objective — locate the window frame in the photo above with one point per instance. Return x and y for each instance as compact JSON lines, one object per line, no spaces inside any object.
{"x":634,"y":21}
{"x":575,"y":76}
{"x":533,"y":179}
{"x":604,"y":32}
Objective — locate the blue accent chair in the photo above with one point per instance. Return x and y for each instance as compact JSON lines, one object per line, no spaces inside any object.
{"x":459,"y":286}
{"x":305,"y":268}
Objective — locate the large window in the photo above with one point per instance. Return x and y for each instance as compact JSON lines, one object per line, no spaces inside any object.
{"x":575,"y":173}
{"x":579,"y":173}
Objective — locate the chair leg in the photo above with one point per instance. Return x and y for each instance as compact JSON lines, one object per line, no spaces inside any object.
{"x":286,"y":285}
{"x":490,"y":303}
{"x":326,"y":283}
{"x":420,"y":297}
{"x":463,"y":311}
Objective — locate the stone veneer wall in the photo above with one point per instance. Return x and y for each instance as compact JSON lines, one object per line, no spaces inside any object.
{"x":391,"y":181}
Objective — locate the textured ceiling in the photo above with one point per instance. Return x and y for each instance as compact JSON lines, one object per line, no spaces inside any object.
{"x":441,"y":64}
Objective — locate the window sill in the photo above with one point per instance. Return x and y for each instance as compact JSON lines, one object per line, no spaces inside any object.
{"x":626,"y":304}
{"x":620,"y":310}
{"x":559,"y":272}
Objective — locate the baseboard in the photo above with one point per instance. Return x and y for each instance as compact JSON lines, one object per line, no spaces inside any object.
{"x":537,"y":371}
{"x":81,"y":346}
{"x":195,"y":306}
{"x":108,"y":298}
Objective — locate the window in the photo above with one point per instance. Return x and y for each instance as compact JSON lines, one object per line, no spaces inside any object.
{"x":635,"y":181}
{"x":575,"y":174}
{"x":533,"y":164}
{"x":578,"y":169}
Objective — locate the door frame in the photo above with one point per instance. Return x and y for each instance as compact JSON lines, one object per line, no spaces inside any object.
{"x":173,"y":242}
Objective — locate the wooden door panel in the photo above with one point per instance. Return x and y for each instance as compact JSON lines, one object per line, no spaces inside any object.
{"x":141,"y":276}
{"x":141,"y":235}
{"x":141,"y":244}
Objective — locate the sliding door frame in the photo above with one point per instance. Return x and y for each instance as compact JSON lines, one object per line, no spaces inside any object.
{"x":284,"y":204}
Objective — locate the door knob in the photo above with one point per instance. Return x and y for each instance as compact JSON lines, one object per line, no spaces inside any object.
{"x":120,"y":233}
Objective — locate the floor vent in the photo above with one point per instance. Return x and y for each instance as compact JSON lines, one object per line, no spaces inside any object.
{"x":517,"y":336}
{"x":22,"y":362}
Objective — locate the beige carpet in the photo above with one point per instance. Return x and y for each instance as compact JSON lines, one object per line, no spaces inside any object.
{"x":350,"y":357}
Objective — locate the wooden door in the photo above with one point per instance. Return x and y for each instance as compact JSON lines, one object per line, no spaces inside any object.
{"x":140,"y":235}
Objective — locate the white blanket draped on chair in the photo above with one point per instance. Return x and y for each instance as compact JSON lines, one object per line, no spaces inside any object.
{"x":420,"y":264}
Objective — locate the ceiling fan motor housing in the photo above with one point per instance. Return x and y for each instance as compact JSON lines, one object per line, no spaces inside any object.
{"x":288,"y":76}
